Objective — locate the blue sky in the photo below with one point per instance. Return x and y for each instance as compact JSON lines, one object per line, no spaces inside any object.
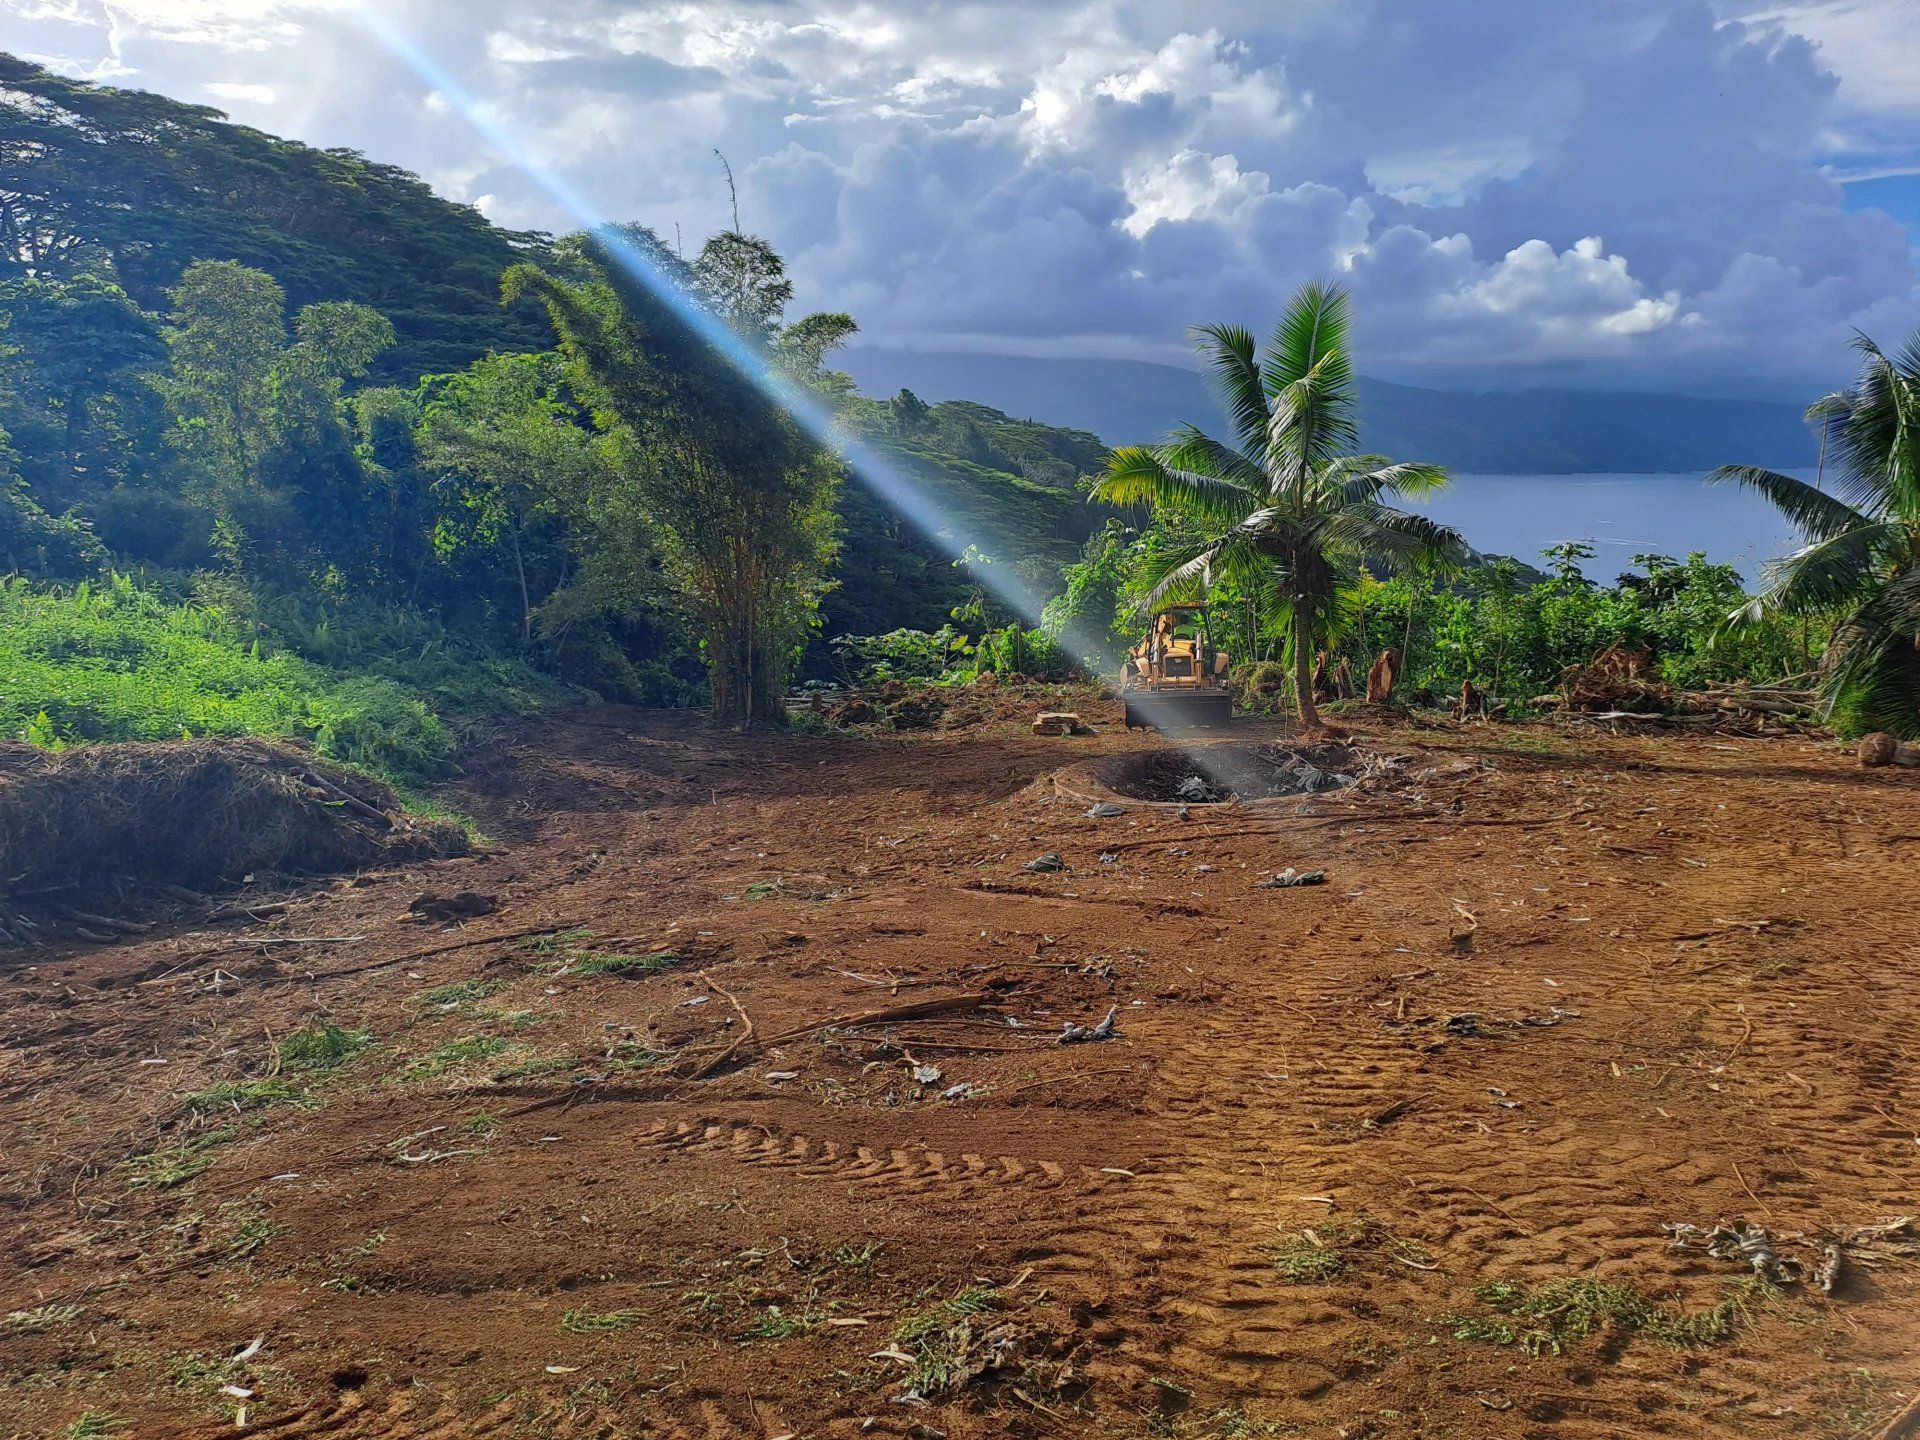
{"x":1704,"y":196}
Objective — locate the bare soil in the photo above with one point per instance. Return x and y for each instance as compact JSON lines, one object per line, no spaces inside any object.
{"x":652,"y":1142}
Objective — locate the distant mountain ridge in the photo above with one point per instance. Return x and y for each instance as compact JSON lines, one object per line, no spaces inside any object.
{"x":1522,"y":432}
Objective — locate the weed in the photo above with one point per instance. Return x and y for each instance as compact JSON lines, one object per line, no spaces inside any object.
{"x":1306,"y":1259}
{"x":536,"y":1065}
{"x":244,"y":1095}
{"x":519,"y":1020}
{"x":1565,"y":1311}
{"x":414,"y":803}
{"x":344,"y":1284}
{"x":40,"y":1318}
{"x":459,"y":992}
{"x":588,"y":1322}
{"x":249,"y":1236}
{"x":857,"y":1257}
{"x":321,"y":1045}
{"x":588,"y":1394}
{"x":630,"y":1055}
{"x":172,"y":1165}
{"x":372,"y":1243}
{"x":483,"y":1123}
{"x":1235,"y":1424}
{"x":453,"y":1053}
{"x":93,"y":1425}
{"x":592,"y":962}
{"x":938,"y":1336}
{"x":775,"y":1324}
{"x":763,"y":889}
{"x":1321,"y":1253}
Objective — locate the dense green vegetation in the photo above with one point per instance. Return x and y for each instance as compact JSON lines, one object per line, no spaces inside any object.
{"x":283,"y":398}
{"x":293,"y":446}
{"x":1862,"y":567}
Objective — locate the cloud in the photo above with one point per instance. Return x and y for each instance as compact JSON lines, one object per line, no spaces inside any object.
{"x":1636,"y":193}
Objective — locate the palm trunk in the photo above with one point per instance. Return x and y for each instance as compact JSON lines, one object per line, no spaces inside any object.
{"x":1303,"y":672}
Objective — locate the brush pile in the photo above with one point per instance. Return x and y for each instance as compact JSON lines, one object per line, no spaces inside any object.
{"x":1619,"y":685}
{"x":105,"y":819}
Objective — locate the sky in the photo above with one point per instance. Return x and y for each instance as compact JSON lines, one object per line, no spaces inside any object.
{"x":1701,"y":198}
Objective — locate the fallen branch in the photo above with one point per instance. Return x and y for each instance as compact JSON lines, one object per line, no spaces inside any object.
{"x":747,"y":1034}
{"x":1903,"y":1425}
{"x":925,"y":1010}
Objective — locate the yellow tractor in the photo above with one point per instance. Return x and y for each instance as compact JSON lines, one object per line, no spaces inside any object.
{"x":1175,"y":679}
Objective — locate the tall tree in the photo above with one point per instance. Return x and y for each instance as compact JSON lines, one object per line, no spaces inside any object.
{"x":258,"y":421}
{"x":737,"y":497}
{"x":1285,"y":501}
{"x":1861,"y":564}
{"x":515,"y":457}
{"x":83,"y":338}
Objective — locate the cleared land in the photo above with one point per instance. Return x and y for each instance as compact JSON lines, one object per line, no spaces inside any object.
{"x":1386,"y":1156}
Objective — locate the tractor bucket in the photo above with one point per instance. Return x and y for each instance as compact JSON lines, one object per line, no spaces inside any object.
{"x":1171,"y":709}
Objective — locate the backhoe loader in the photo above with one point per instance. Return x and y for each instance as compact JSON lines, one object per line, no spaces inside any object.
{"x":1175,"y":679}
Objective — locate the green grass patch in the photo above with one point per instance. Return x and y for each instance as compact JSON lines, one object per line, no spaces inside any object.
{"x":172,"y":1165}
{"x":247,"y":1095}
{"x":112,"y":662}
{"x":938,"y":1338}
{"x":453,"y":1054}
{"x":591,"y":1322}
{"x":1565,"y":1311}
{"x":321,"y":1045}
{"x":773,"y":1323}
{"x":94,"y":1425}
{"x":1324,"y":1252}
{"x":251,"y":1231}
{"x":633,"y":1057}
{"x":857,"y":1257}
{"x":592,"y":962}
{"x":39,"y":1319}
{"x":457,"y":993}
{"x":1307,"y":1259}
{"x":535,"y":1066}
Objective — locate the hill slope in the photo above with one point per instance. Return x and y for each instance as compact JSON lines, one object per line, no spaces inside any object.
{"x":1539,"y":431}
{"x":158,"y":184}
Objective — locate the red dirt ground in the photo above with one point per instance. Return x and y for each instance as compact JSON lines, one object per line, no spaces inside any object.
{"x":632,"y":1225}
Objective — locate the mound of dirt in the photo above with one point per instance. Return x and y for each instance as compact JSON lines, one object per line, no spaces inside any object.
{"x":193,"y":813}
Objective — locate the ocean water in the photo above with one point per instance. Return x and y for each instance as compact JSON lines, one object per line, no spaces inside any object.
{"x":1620,"y":515}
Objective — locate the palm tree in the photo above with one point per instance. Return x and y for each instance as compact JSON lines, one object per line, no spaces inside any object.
{"x":1286,"y":507}
{"x":1861,"y":561}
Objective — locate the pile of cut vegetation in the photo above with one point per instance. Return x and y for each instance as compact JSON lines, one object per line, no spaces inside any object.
{"x":193,"y":813}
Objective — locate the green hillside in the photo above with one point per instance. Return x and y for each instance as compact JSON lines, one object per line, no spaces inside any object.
{"x":147,"y":185}
{"x":278,"y":386}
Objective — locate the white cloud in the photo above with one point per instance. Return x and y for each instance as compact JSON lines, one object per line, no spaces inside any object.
{"x":1189,"y":186}
{"x":238,"y":90}
{"x":1448,"y":174}
{"x":1091,"y":176}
